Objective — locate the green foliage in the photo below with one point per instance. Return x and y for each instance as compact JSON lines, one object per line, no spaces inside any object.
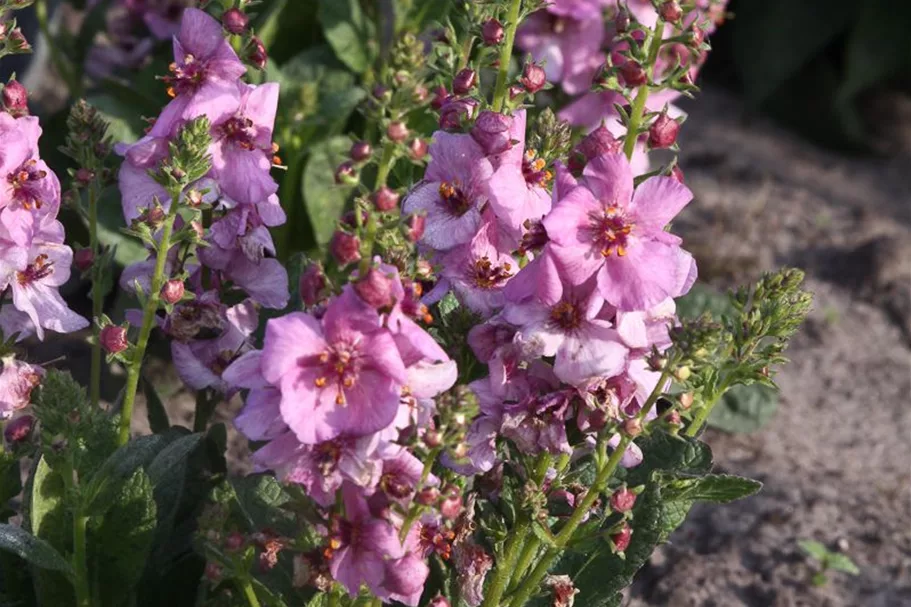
{"x":716,"y":488}
{"x":744,"y":409}
{"x":50,"y":521}
{"x":325,"y":200}
{"x":36,"y":551}
{"x":827,"y":560}
{"x":188,"y":157}
{"x":10,"y":483}
{"x":348,"y":32}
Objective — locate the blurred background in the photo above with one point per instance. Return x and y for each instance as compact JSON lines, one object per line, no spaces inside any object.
{"x":799,"y":152}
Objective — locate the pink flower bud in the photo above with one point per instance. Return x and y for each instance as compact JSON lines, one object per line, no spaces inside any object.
{"x":385,"y":199}
{"x":172,"y":291}
{"x":464,"y":81}
{"x":114,"y":339}
{"x":670,"y":11}
{"x":492,"y":32}
{"x":375,"y":288}
{"x":345,"y":248}
{"x":427,"y":496}
{"x":597,"y":143}
{"x":417,"y":149}
{"x":622,"y":20}
{"x":633,"y":75}
{"x":457,"y":111}
{"x":84,"y":176}
{"x":414,"y":227}
{"x":420,"y":94}
{"x":451,"y":506}
{"x":234,"y":541}
{"x":433,"y":439}
{"x":686,"y":400}
{"x":360,"y":151}
{"x":15,"y":98}
{"x":533,"y":77}
{"x":235,"y":21}
{"x":621,"y":538}
{"x":312,"y":282}
{"x":622,"y":500}
{"x":632,"y":427}
{"x":397,"y":131}
{"x":439,"y":601}
{"x":491,"y":131}
{"x":83,"y":259}
{"x":256,"y":53}
{"x":19,"y":430}
{"x":673,"y":418}
{"x":213,"y":572}
{"x":18,"y":41}
{"x":345,"y":174}
{"x":440,"y":97}
{"x":663,"y":131}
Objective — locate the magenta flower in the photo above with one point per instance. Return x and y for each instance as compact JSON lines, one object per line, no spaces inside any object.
{"x":607,"y":230}
{"x":17,"y":380}
{"x":362,"y":547}
{"x":405,"y":579}
{"x":538,"y":423}
{"x":341,"y":375}
{"x":203,"y":76}
{"x":453,"y":191}
{"x":570,"y":48}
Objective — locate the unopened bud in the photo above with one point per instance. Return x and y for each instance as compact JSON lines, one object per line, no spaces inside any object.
{"x":464,"y":81}
{"x":451,"y":506}
{"x":673,"y":418}
{"x":397,"y":131}
{"x":683,"y":373}
{"x":427,"y":496}
{"x":114,"y":339}
{"x":632,"y":427}
{"x":533,"y":77}
{"x":621,"y":539}
{"x":172,"y":291}
{"x":345,"y":248}
{"x":633,"y":75}
{"x":670,"y":11}
{"x":417,"y":149}
{"x":622,"y":19}
{"x":622,"y":500}
{"x":19,"y":430}
{"x":414,"y":227}
{"x":492,"y":32}
{"x":234,"y":541}
{"x":346,"y":174}
{"x":15,"y":98}
{"x":84,"y":176}
{"x":235,"y":21}
{"x":83,"y":259}
{"x":360,"y":151}
{"x":433,"y":439}
{"x":256,"y":53}
{"x":663,"y":131}
{"x":375,"y":288}
{"x":440,"y":97}
{"x":385,"y":199}
{"x":420,"y":94}
{"x":686,"y":400}
{"x":213,"y":572}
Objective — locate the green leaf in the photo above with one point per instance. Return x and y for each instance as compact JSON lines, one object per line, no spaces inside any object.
{"x":259,"y":498}
{"x":347,"y":31}
{"x":10,"y":481}
{"x":841,"y":562}
{"x":325,"y":200}
{"x":50,"y":522}
{"x":155,"y":409}
{"x":668,"y":453}
{"x":717,"y":488}
{"x":34,"y":550}
{"x":119,"y":541}
{"x":814,"y":549}
{"x":744,"y":409}
{"x":124,"y":123}
{"x":704,"y":298}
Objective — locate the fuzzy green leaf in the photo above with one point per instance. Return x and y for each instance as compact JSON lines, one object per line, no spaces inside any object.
{"x":347,"y":31}
{"x":325,"y":200}
{"x":717,"y":488}
{"x":34,"y":550}
{"x":744,"y":409}
{"x":50,"y":522}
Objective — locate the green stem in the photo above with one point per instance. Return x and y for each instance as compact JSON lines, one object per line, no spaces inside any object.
{"x":703,"y":414}
{"x":148,"y":321}
{"x":512,"y":23}
{"x":533,"y":581}
{"x":415,"y":510}
{"x":72,"y":82}
{"x":247,"y":589}
{"x":385,"y":165}
{"x":529,"y":552}
{"x":97,"y":303}
{"x":638,"y":109}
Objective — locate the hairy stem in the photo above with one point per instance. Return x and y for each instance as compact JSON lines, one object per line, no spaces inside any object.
{"x":148,"y":321}
{"x":638,"y":110}
{"x":97,"y":303}
{"x":512,"y":23}
{"x":703,"y":414}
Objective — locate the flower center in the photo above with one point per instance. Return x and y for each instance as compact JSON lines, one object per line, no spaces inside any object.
{"x":566,"y":316}
{"x":533,"y":170}
{"x":327,"y":455}
{"x":239,"y":131}
{"x":340,"y":365}
{"x":454,"y":198}
{"x":611,"y":231}
{"x":23,"y":181}
{"x":186,"y":78}
{"x":488,"y":275}
{"x":41,"y":268}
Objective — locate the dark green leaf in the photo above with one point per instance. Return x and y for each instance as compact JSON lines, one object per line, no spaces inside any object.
{"x":50,"y":521}
{"x":347,"y":31}
{"x":324,"y":199}
{"x":668,"y":453}
{"x":124,"y":123}
{"x":259,"y":498}
{"x":119,"y":541}
{"x":155,"y":409}
{"x":10,"y":481}
{"x":717,"y":488}
{"x":744,"y":408}
{"x":34,"y":550}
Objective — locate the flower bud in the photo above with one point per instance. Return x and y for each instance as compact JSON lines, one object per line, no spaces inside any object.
{"x":670,"y":11}
{"x":360,"y":151}
{"x":621,"y":538}
{"x":491,"y":131}
{"x":18,"y":42}
{"x":533,"y":77}
{"x":632,"y":427}
{"x":633,"y":75}
{"x":492,"y":32}
{"x":83,"y":259}
{"x":674,"y":419}
{"x":235,"y":21}
{"x":439,"y":601}
{"x":697,"y":35}
{"x":172,"y":291}
{"x":234,"y":541}
{"x":622,"y":500}
{"x":455,"y":112}
{"x":345,"y":248}
{"x":414,"y":227}
{"x":451,"y":506}
{"x":420,"y":94}
{"x":114,"y":339}
{"x":19,"y":430}
{"x":433,"y":439}
{"x":464,"y":81}
{"x":256,"y":53}
{"x":213,"y":572}
{"x":345,"y":174}
{"x":427,"y":496}
{"x":385,"y":199}
{"x":375,"y":288}
{"x":440,"y":97}
{"x":663,"y":131}
{"x":686,"y":400}
{"x":312,"y":282}
{"x":15,"y":98}
{"x":417,"y":149}
{"x":397,"y":131}
{"x":683,"y":373}
{"x":622,"y":19}
{"x":597,"y":143}
{"x":84,"y":176}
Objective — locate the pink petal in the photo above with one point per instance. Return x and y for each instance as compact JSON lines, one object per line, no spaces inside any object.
{"x":657,"y":201}
{"x":610,"y":179}
{"x":288,"y":339}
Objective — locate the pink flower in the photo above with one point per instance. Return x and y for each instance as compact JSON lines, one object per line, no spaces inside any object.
{"x":453,"y":191}
{"x":17,"y":380}
{"x":569,"y":47}
{"x":607,"y":230}
{"x":341,"y":375}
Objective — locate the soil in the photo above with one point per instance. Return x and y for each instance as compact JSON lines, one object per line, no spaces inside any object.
{"x":835,"y":459}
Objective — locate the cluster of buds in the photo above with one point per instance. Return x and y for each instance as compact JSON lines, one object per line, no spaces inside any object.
{"x":12,"y":41}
